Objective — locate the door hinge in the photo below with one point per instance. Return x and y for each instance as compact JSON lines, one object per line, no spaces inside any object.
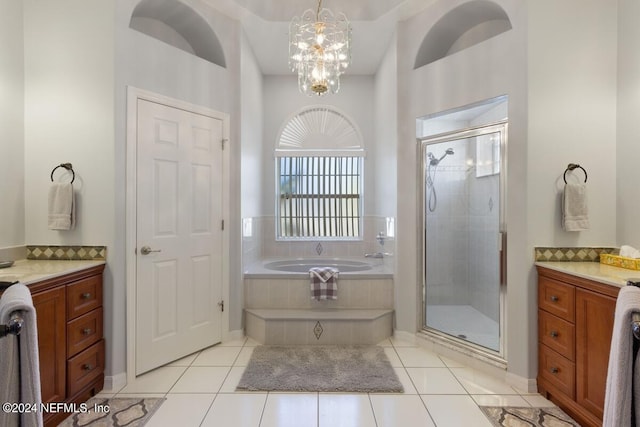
{"x":223,"y":141}
{"x":221,"y":305}
{"x":222,"y":225}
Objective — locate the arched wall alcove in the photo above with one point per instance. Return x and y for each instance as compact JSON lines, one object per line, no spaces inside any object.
{"x":179,"y":25}
{"x":462,"y":27}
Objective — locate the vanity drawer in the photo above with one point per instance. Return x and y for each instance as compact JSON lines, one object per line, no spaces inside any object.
{"x":84,"y":296}
{"x":557,"y":334}
{"x":558,"y":371}
{"x":84,"y":331}
{"x":557,"y":298}
{"x":85,"y":367}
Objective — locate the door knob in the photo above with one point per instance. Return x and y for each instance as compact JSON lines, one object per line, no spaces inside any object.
{"x":146,"y":250}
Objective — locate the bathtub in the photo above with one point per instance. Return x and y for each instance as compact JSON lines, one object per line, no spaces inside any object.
{"x":279,"y":310}
{"x":291,"y":268}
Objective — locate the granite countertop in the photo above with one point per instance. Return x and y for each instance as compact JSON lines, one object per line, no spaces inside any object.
{"x":31,"y":271}
{"x":596,"y":271}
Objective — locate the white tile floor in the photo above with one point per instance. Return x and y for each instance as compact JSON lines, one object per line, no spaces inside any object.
{"x":465,"y":322}
{"x":200,"y":391}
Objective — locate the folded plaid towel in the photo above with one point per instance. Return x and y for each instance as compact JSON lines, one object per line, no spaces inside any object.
{"x":324,"y":283}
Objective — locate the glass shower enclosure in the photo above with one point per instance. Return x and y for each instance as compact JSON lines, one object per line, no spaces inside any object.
{"x":464,"y":235}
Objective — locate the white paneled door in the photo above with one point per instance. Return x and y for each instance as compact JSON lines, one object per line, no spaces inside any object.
{"x":179,"y":233}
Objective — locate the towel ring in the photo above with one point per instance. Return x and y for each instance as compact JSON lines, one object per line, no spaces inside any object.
{"x":68,"y":167}
{"x":571,"y":167}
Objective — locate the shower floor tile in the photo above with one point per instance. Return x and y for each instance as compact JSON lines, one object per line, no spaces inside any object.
{"x":464,"y":321}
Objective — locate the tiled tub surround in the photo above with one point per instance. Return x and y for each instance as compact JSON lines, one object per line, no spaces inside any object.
{"x":279,"y":308}
{"x":259,"y":241}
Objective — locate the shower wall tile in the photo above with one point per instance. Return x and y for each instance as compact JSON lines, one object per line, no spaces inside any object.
{"x":372,"y":225}
{"x":462,"y":230}
{"x":295,"y":294}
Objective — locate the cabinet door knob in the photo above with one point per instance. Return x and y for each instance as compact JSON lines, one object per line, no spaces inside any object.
{"x":554,"y":298}
{"x":86,"y":331}
{"x":554,"y":334}
{"x":87,"y":367}
{"x":554,"y":370}
{"x":85,"y":295}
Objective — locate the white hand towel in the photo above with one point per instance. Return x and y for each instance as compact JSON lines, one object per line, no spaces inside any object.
{"x":25,"y":386}
{"x":575,"y":215}
{"x":629,"y":252}
{"x":61,"y":206}
{"x":619,"y":390}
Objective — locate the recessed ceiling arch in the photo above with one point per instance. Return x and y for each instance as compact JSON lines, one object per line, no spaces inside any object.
{"x":462,"y":27}
{"x":177,"y":24}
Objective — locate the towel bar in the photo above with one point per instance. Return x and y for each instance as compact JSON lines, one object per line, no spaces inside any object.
{"x":14,"y":327}
{"x":66,"y":166}
{"x":571,"y":167}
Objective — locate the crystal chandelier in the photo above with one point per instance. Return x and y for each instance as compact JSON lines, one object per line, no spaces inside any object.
{"x":319,"y":50}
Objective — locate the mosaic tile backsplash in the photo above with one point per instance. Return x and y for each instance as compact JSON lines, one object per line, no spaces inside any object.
{"x":572,"y":254}
{"x":67,"y":253}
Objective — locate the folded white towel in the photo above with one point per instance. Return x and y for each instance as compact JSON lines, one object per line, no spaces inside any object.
{"x":575,"y":214}
{"x":25,"y":386}
{"x":629,"y":251}
{"x":61,"y":206}
{"x":622,"y":371}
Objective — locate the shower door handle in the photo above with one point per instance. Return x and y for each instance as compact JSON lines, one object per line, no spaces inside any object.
{"x":502,"y":248}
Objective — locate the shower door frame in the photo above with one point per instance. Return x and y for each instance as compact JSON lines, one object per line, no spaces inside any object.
{"x":496,"y":357}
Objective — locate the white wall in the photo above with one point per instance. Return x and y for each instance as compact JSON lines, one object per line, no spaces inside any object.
{"x":69,"y":117}
{"x":11,"y":124}
{"x":146,"y":63}
{"x":385,"y":133}
{"x":559,"y":72}
{"x":572,"y":115}
{"x":252,"y":158}
{"x":282,"y":100}
{"x":477,"y":73}
{"x":572,"y":118}
{"x":253,"y":147}
{"x":628,"y":132}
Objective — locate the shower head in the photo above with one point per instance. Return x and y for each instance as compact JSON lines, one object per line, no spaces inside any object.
{"x":432,"y":159}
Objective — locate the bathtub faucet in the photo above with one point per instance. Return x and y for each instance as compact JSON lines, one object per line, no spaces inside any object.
{"x":375,"y":255}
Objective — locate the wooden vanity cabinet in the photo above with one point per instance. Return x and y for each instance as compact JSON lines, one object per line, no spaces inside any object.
{"x":575,"y":324}
{"x":70,"y":343}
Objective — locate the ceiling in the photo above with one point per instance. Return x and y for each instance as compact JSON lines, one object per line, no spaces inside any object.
{"x":266,"y":25}
{"x":284,"y":10}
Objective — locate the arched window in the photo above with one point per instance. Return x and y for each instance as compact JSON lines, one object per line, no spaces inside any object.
{"x":319,"y":175}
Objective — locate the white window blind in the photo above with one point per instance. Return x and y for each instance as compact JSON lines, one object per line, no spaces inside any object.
{"x":319,"y":196}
